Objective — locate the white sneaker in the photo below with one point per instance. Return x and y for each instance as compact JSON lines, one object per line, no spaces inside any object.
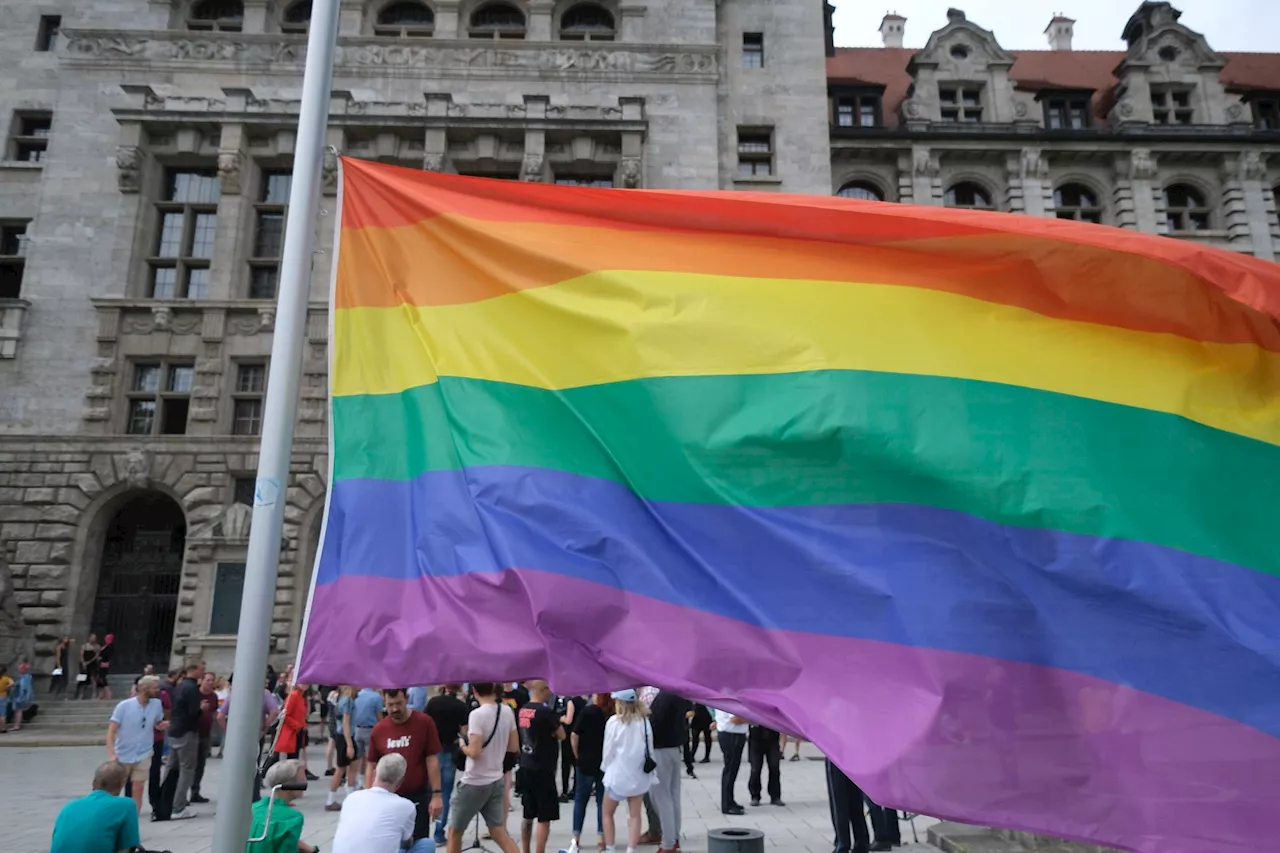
{"x":185,"y":814}
{"x":573,"y":847}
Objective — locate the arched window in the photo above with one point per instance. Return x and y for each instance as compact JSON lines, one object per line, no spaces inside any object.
{"x":1078,"y":202}
{"x":861,"y":189}
{"x":967,"y":194}
{"x":407,"y":19}
{"x":296,"y":17}
{"x":497,"y":20}
{"x":225,"y":16}
{"x":587,"y":22}
{"x":1186,"y":208}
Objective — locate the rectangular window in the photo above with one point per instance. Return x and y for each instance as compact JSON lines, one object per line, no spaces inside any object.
{"x":228,"y":589}
{"x":47,"y":35}
{"x":755,"y":153}
{"x":243,"y":489}
{"x":187,"y":228}
{"x":1266,"y":113}
{"x":1066,"y":113}
{"x":268,"y":238}
{"x":13,"y":258}
{"x":29,"y":140}
{"x":960,"y":103}
{"x":856,"y":110}
{"x":1171,"y":105}
{"x":246,"y":401}
{"x":584,"y":181}
{"x":753,"y":50}
{"x":159,"y":398}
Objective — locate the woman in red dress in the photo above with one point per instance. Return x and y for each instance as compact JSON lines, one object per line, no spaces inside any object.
{"x":291,"y":740}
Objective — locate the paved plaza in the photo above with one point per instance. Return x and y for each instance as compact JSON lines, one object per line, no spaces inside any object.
{"x":36,"y":782}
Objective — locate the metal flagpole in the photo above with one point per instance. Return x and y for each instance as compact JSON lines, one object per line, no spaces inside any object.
{"x":231,"y":829}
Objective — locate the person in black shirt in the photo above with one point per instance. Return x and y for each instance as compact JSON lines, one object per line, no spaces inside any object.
{"x":587,"y":743}
{"x":540,"y":732}
{"x":764,"y":745}
{"x":568,"y":707}
{"x":450,"y":715}
{"x":517,"y":697}
{"x":669,"y":716}
{"x":184,"y":738}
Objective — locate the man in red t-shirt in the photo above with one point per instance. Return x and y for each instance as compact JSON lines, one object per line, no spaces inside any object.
{"x":413,"y":735}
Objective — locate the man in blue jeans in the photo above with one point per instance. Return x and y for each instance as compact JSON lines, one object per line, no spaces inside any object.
{"x":450,"y":715}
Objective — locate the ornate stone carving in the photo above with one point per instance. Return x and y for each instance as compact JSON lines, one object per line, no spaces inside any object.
{"x":160,"y":317}
{"x":531,"y":169}
{"x":1032,"y":165}
{"x":631,"y":172}
{"x":924,"y":163}
{"x":230,"y":163}
{"x":1253,"y":166}
{"x":137,"y":468}
{"x":129,"y":168}
{"x":1142,"y":165}
{"x":267,"y":319}
{"x":233,"y":523}
{"x":1235,"y":113}
{"x":433,"y":161}
{"x":176,"y":46}
{"x":1020,"y":109}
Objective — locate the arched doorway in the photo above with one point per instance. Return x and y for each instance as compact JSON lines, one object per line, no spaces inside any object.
{"x":138,"y":581}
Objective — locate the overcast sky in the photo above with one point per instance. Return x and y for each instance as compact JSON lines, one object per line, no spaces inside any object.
{"x":1234,"y":25}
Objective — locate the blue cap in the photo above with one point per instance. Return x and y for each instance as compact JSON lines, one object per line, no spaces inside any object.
{"x":628,"y":695}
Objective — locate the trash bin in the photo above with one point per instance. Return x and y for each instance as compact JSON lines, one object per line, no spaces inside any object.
{"x":735,"y":840}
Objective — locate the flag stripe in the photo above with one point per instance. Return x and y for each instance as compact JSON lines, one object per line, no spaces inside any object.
{"x":1029,"y":458}
{"x":568,"y":335}
{"x":966,"y":734}
{"x":450,"y":260}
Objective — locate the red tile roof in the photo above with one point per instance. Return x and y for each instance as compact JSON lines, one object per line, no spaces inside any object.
{"x":1034,"y":70}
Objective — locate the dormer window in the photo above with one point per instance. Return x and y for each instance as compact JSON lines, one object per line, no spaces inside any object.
{"x":961,"y":103}
{"x":1065,"y":110}
{"x":1266,"y":111}
{"x":855,"y":109}
{"x":1171,"y":105}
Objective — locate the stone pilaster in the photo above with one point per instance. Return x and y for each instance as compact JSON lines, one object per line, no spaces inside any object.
{"x":925,"y":182}
{"x":227,"y":278}
{"x":255,"y":16}
{"x":448,"y":22}
{"x":1027,"y":185}
{"x":540,"y":22}
{"x":1136,"y":197}
{"x":534,"y":167}
{"x":1245,"y":207}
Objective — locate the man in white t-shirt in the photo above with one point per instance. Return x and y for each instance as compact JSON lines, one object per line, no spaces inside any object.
{"x":131,"y":734}
{"x":491,"y":735}
{"x":376,"y":819}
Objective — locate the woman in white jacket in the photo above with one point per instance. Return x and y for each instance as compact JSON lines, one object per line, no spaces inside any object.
{"x":628,"y":741}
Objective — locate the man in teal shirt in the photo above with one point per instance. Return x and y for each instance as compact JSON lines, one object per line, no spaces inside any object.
{"x":284,"y":832}
{"x":103,"y":822}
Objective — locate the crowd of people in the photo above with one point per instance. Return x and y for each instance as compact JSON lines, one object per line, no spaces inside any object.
{"x":413,"y":771}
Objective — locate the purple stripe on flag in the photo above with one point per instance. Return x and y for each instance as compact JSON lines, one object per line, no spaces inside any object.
{"x":972,"y":738}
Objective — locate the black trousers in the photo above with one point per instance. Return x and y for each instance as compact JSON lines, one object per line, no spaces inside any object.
{"x":153,"y":781}
{"x":884,"y":823}
{"x":567,"y":765}
{"x":764,"y":745}
{"x":699,"y":731}
{"x":845,"y":799}
{"x":206,"y":746}
{"x":731,"y":746}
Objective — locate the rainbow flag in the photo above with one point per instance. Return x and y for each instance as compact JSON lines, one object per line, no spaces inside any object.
{"x":986,"y":506}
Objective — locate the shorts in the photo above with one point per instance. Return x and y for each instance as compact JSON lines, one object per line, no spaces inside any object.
{"x":539,"y":795}
{"x":362,"y":739}
{"x":471,"y":800}
{"x":340,"y":748}
{"x":138,"y":770}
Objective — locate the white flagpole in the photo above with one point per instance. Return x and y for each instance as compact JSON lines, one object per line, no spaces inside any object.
{"x":231,"y":829}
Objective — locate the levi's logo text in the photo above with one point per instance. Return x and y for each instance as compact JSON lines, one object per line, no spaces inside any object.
{"x":398,"y":742}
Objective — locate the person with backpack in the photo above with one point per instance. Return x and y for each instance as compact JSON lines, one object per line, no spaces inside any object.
{"x":629,"y":767}
{"x":491,"y":747}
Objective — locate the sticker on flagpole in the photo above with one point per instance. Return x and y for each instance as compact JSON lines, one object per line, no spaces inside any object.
{"x":267,"y":491}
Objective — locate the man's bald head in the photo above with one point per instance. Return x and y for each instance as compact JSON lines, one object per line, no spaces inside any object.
{"x":538,"y":690}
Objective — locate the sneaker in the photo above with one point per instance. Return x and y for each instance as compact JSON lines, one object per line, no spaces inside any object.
{"x":329,"y":772}
{"x":795,"y":758}
{"x":311,"y":777}
{"x":333,"y":807}
{"x":572,"y":848}
{"x":776,"y":803}
{"x":755,"y":801}
{"x":196,"y":798}
{"x":185,"y":814}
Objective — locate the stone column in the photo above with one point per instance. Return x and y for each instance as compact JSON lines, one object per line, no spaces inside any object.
{"x":534,"y":167}
{"x":255,"y":16}
{"x":227,"y":272}
{"x":1137,"y":198}
{"x":448,"y":24}
{"x":925,"y":178}
{"x":1028,"y":190}
{"x":540,"y":20}
{"x":1245,"y":208}
{"x":630,"y":174}
{"x":435,"y":147}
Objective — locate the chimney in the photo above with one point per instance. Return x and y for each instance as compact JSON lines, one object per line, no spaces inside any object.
{"x":1059,"y":31}
{"x":891,"y":29}
{"x":955,"y":16}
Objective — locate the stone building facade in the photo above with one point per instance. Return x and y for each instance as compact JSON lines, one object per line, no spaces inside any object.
{"x":144,"y":186}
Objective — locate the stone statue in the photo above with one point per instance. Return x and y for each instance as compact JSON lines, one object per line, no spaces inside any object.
{"x":531,"y":171}
{"x":137,"y":468}
{"x":433,"y":161}
{"x":631,"y":172}
{"x":129,"y":164}
{"x":229,"y":163}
